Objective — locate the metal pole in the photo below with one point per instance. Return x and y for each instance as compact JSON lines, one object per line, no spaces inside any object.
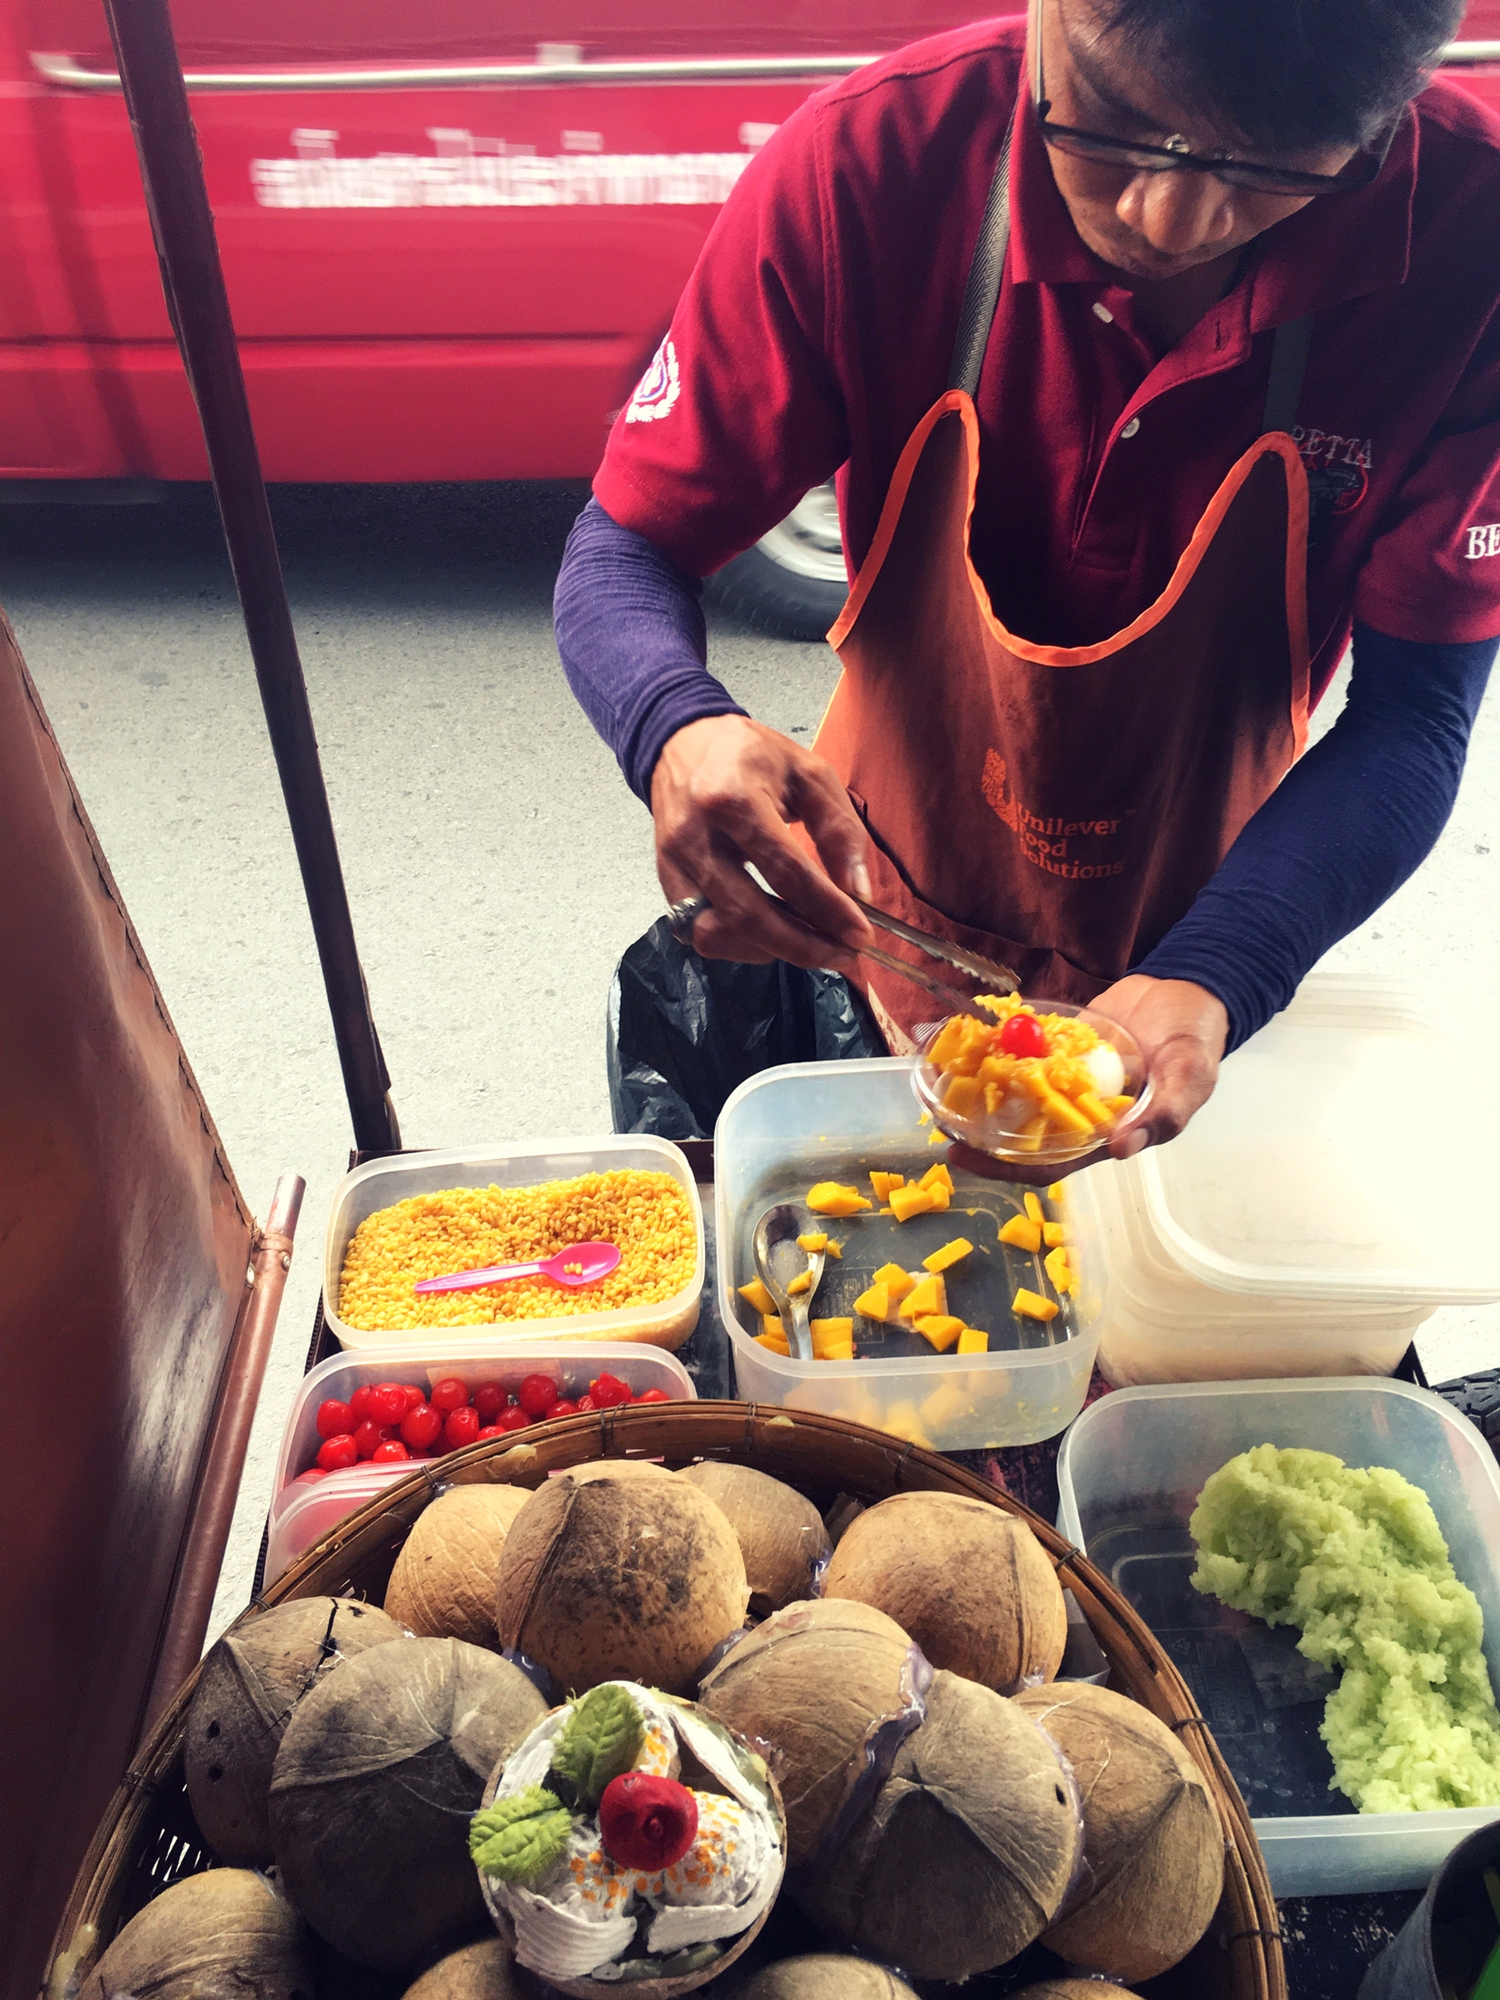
{"x":198,"y":304}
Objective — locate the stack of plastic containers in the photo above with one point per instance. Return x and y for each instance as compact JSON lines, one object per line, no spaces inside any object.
{"x":1340,"y":1185}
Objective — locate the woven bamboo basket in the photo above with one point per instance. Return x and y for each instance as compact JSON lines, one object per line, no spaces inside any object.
{"x":148,"y":1839}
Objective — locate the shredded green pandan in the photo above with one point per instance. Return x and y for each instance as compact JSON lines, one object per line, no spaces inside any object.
{"x":1356,"y":1559}
{"x":518,"y":1839}
{"x":601,"y":1739}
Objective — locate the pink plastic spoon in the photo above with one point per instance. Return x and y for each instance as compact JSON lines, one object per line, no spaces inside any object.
{"x":584,"y":1264}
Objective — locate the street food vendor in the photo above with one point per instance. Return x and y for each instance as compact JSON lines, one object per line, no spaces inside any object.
{"x":1156,"y":345}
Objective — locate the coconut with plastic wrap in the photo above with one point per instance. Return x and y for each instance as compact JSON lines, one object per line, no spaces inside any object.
{"x":593,"y":1899}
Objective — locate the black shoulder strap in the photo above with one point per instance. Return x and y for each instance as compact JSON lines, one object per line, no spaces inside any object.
{"x":1288,"y":360}
{"x":982,"y":292}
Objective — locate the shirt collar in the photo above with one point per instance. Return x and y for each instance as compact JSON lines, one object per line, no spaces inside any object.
{"x":1339,"y":247}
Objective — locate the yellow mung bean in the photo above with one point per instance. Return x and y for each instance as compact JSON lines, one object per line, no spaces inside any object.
{"x":465,"y":1229}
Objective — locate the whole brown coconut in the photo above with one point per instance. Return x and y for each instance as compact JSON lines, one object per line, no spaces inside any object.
{"x":781,"y":1535}
{"x":631,"y":1575}
{"x":380,"y":1768}
{"x":1151,"y":1834}
{"x":826,"y":1975}
{"x":443,"y":1585}
{"x":479,"y":1972}
{"x":249,"y":1684}
{"x":1075,"y":1989}
{"x":223,"y":1935}
{"x":969,"y":1582}
{"x":965,"y":1851}
{"x":823,"y":1686}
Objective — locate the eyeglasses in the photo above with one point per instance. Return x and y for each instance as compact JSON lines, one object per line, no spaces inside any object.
{"x":1174,"y":154}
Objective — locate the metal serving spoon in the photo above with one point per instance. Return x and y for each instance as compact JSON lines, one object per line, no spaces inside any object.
{"x":584,"y":1264}
{"x":780,"y":1260}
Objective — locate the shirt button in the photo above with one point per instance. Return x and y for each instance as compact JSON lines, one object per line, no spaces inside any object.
{"x":1131,"y":428}
{"x":1102,"y":311}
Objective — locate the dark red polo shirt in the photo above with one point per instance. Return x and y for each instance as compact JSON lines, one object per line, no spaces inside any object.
{"x":819,"y":326}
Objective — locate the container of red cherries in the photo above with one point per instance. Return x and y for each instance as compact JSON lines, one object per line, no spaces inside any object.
{"x":368,"y":1417}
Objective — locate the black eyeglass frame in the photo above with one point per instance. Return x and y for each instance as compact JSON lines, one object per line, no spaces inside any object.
{"x":1175,"y":154}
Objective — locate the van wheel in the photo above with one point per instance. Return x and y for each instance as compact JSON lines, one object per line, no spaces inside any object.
{"x":793,"y":582}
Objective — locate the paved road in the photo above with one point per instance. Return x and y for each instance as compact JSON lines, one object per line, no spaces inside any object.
{"x":497,"y":866}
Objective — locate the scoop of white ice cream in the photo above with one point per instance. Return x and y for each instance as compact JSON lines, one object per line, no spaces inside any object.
{"x":1107,"y":1070}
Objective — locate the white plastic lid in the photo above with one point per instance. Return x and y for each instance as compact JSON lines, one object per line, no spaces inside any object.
{"x":1351,"y":1151}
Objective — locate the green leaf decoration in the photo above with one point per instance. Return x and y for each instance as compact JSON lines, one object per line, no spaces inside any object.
{"x":518,"y":1839}
{"x":601,"y":1738}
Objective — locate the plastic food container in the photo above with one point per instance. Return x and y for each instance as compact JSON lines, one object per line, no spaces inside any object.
{"x":999,"y":1134}
{"x":381,"y":1183}
{"x":300,"y":1515}
{"x":1283,"y":1233}
{"x":787,"y":1128}
{"x":1129,"y":1474}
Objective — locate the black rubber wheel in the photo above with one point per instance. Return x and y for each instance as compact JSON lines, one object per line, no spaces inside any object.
{"x":792,"y":583}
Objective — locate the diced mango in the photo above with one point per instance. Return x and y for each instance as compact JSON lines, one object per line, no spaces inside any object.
{"x":964,"y":1097}
{"x":939,"y":1196}
{"x":775,"y":1346}
{"x":1054,"y":1233}
{"x":757,"y":1297}
{"x":833,"y":1339}
{"x":774,"y":1326}
{"x":1063,"y":1112}
{"x":1093,"y":1107}
{"x":961,"y":1044}
{"x":1022,"y":1233}
{"x":973,"y":1341}
{"x":946,"y":1405}
{"x":929,"y":1295}
{"x":896,"y":1281}
{"x":1029,"y":1138}
{"x":901,"y":1421}
{"x":875,"y":1303}
{"x":1057,"y":1190}
{"x":800,"y":1284}
{"x":942,"y":1329}
{"x":1031,"y":1305}
{"x":949,"y":1041}
{"x":948,"y":1255}
{"x":814,"y":1241}
{"x":937,"y":1176}
{"x":937,"y":1138}
{"x":1119,"y":1104}
{"x":830,"y":1198}
{"x":1055,"y":1264}
{"x":909,"y":1201}
{"x":883,"y":1183}
{"x":1034,"y":1209}
{"x":832,"y":1249}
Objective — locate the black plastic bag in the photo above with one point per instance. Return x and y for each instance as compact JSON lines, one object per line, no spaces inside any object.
{"x":685,"y":1031}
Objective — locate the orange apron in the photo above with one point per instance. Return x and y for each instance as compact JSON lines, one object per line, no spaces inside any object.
{"x":1060,"y":807}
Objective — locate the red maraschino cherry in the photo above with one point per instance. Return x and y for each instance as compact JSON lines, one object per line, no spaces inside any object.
{"x":647,"y":1822}
{"x":1023,"y":1035}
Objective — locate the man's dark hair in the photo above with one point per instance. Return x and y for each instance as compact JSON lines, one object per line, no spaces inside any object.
{"x":1290,"y":73}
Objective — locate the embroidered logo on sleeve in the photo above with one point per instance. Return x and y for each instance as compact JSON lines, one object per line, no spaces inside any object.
{"x":657,"y":390}
{"x":1483,"y":542}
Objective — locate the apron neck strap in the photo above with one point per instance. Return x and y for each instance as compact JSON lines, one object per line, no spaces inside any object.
{"x":982,"y":294}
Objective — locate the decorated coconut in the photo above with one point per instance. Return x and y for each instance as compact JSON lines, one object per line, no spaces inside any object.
{"x":781,"y":1535}
{"x":964,"y":1853}
{"x":215,"y":1936}
{"x":1152,"y":1841}
{"x":619,"y":1572}
{"x":377,"y":1776}
{"x":247,"y":1689}
{"x":970,"y":1583}
{"x":825,"y":1975}
{"x":629,"y":1843}
{"x":483,"y":1971}
{"x":829,"y":1689}
{"x":443,"y":1584}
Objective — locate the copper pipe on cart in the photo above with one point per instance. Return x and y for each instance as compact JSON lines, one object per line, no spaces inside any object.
{"x":198,"y":304}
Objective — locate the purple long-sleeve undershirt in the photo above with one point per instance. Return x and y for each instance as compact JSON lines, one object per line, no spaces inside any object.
{"x":1339,"y":835}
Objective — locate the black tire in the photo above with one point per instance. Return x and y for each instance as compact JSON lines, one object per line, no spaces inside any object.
{"x":792,"y":583}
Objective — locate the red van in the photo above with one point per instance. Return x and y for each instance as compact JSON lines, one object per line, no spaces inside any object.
{"x":453,"y":232}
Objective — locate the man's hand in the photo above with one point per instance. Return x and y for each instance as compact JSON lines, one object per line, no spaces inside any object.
{"x":724,"y":791}
{"x":1182,"y":1029}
